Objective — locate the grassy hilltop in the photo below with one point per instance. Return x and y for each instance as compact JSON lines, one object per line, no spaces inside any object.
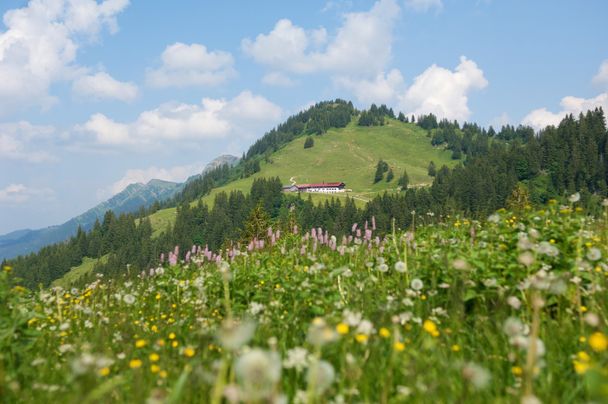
{"x":349,"y":155}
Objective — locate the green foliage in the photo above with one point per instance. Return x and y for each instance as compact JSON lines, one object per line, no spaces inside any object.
{"x":390,"y":175}
{"x":381,"y":168}
{"x":432,"y":170}
{"x":309,"y":142}
{"x":445,"y":314}
{"x":375,"y":116}
{"x":404,"y":181}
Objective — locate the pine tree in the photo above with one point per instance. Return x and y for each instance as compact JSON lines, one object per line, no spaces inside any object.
{"x":257,"y":224}
{"x":381,"y":168}
{"x":390,"y":175}
{"x":309,"y":142}
{"x":404,"y":181}
{"x":432,"y":170}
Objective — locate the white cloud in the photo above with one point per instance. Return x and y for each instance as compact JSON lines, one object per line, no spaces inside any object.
{"x":191,"y":65}
{"x":542,"y":117}
{"x":277,"y":79}
{"x":142,"y":176}
{"x":383,"y":89}
{"x":103,"y":86}
{"x":243,"y":116}
{"x":601,"y":78}
{"x":14,"y":194}
{"x":444,"y":92}
{"x":424,"y":5}
{"x":361,"y":46}
{"x":22,"y":141}
{"x":40,"y":45}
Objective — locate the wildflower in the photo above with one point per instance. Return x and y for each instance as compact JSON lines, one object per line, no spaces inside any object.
{"x":104,"y":371}
{"x":297,"y":358}
{"x":598,"y":342}
{"x":384,"y":332}
{"x":416,"y":284}
{"x":455,"y":348}
{"x":594,"y":254}
{"x":514,"y":302}
{"x":135,"y":363}
{"x":154,"y":357}
{"x":478,"y":376}
{"x":140,"y":343}
{"x":399,"y":346}
{"x":430,"y":327}
{"x":517,"y":371}
{"x":342,"y":328}
{"x":383,"y":268}
{"x":189,"y":352}
{"x":581,"y":363}
{"x":361,"y":338}
{"x":319,"y":333}
{"x":258,"y":372}
{"x":526,"y":258}
{"x":513,"y":327}
{"x":163,"y":374}
{"x":321,"y":376}
{"x":172,"y":335}
{"x":592,"y":319}
{"x":400,"y":266}
{"x":128,"y":299}
{"x":234,"y":335}
{"x":154,"y":368}
{"x":574,"y":197}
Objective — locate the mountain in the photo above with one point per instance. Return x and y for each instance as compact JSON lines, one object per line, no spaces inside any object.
{"x":133,"y":197}
{"x":350,"y":155}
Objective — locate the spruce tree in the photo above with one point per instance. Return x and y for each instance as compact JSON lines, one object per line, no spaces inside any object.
{"x":432,"y":170}
{"x":404,"y":181}
{"x":390,"y":175}
{"x":309,"y":142}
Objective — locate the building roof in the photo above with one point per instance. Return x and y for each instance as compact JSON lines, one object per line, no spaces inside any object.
{"x":322,"y":185}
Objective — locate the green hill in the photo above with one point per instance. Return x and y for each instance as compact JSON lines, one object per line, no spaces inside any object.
{"x":347,"y":154}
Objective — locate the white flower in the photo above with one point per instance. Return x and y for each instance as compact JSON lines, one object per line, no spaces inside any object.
{"x":351,"y":318}
{"x":592,"y":319}
{"x":365,"y":327}
{"x":128,"y":299}
{"x":400,"y":266}
{"x":321,"y":375}
{"x":382,"y":267}
{"x":513,"y":327}
{"x":594,"y":254}
{"x":416,"y":284}
{"x":255,"y":308}
{"x":574,"y":197}
{"x":258,"y":372}
{"x":478,"y":376}
{"x":514,"y":302}
{"x":297,"y":358}
{"x":234,"y":335}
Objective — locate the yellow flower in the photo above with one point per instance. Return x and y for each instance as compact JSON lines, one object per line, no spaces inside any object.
{"x":455,"y":348}
{"x":140,"y":343}
{"x":31,"y":321}
{"x":361,"y":338}
{"x":583,"y":309}
{"x":163,"y":374}
{"x":154,"y":368}
{"x":582,"y":339}
{"x":399,"y":346}
{"x":583,"y":356}
{"x":158,"y":296}
{"x":342,"y":328}
{"x":104,"y":371}
{"x":174,"y":344}
{"x":7,"y":269}
{"x":172,"y":335}
{"x":154,"y":328}
{"x":154,"y":357}
{"x":189,"y":352}
{"x":135,"y":363}
{"x":517,"y":371}
{"x":430,"y":327}
{"x":580,"y":367}
{"x":598,"y":342}
{"x":384,"y":332}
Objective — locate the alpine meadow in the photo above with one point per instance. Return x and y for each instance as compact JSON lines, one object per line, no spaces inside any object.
{"x":237,"y":202}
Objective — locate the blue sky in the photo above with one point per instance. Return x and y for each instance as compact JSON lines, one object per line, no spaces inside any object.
{"x":97,"y":94}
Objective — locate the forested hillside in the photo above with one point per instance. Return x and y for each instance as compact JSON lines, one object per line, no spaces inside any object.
{"x":513,"y":167}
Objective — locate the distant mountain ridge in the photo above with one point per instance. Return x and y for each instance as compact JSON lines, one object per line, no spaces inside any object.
{"x":134,"y":196}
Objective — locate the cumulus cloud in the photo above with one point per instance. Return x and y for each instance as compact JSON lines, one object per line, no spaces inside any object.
{"x":103,"y":86}
{"x":277,"y":79}
{"x":542,"y":117}
{"x":424,"y":5}
{"x":383,"y":89}
{"x":40,"y":44}
{"x":601,"y":78}
{"x":444,"y":92}
{"x":243,"y":116}
{"x":191,"y":65}
{"x":22,"y":141}
{"x":361,"y":46}
{"x":15,"y":194}
{"x":143,"y":175}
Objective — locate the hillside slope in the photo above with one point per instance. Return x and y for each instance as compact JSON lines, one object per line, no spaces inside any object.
{"x":348,"y":154}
